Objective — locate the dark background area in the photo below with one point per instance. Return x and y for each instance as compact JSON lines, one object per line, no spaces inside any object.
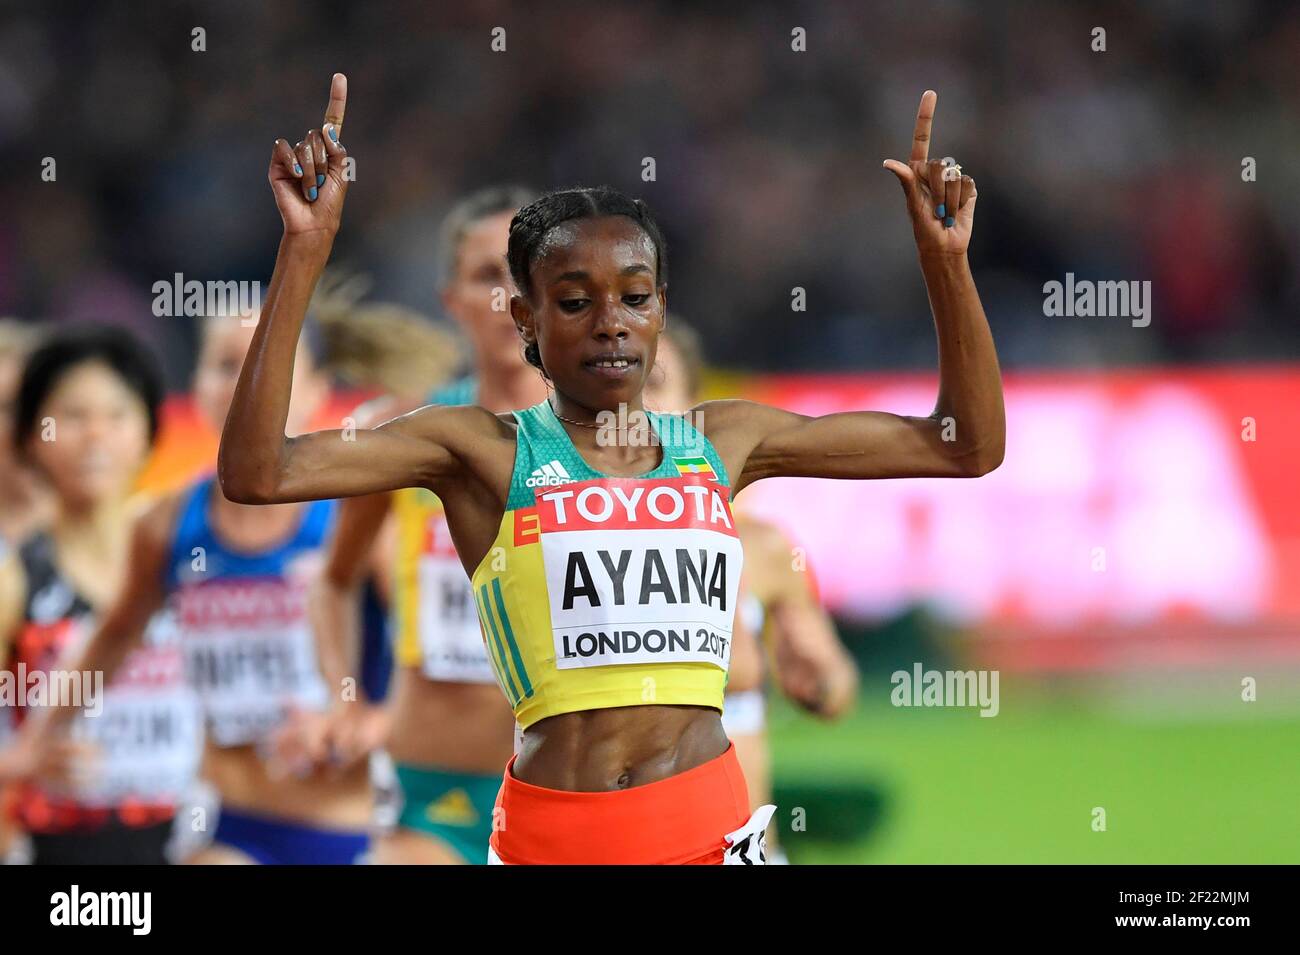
{"x":1123,"y":164}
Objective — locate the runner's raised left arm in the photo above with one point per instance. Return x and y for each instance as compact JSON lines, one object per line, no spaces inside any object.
{"x":965,"y":434}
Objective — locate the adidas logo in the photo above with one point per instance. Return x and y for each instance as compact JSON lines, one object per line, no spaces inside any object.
{"x":453,"y":808}
{"x":548,"y":475}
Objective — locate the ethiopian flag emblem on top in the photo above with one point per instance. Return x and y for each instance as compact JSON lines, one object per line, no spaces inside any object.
{"x":698,"y":465}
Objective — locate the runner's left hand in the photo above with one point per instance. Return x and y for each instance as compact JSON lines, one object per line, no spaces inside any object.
{"x":926,"y":190}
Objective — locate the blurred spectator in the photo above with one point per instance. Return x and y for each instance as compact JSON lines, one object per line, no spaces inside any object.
{"x":1123,"y":164}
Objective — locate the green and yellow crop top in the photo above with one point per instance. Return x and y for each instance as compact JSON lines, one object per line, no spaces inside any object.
{"x":604,"y":591}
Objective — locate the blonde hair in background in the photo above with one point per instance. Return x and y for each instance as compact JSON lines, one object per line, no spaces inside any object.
{"x":377,"y":344}
{"x":690,"y":350}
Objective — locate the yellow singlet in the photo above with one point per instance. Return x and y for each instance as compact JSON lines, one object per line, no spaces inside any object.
{"x":602,"y":591}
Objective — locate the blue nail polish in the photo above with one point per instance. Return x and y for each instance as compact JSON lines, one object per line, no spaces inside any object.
{"x":949,"y":222}
{"x":334,"y":133}
{"x":311,"y":194}
{"x":297,"y":170}
{"x":320,"y":180}
{"x":938,"y":213}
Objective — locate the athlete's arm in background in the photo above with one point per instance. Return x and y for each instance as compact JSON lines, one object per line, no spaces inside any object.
{"x":352,"y":725}
{"x":257,"y":462}
{"x":355,"y":724}
{"x":745,"y":671}
{"x":335,"y":606}
{"x":119,"y":631}
{"x":812,"y":667}
{"x":965,"y":436}
{"x":13,"y":587}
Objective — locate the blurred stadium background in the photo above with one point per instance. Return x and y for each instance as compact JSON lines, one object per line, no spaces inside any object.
{"x":1121,"y":687}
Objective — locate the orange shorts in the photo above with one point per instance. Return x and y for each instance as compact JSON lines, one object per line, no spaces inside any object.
{"x":682,"y":820}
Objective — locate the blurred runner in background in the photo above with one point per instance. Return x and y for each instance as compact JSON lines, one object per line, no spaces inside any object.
{"x":86,"y":416}
{"x":238,"y":578}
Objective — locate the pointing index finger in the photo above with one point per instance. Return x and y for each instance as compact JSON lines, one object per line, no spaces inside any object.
{"x":338,"y":101}
{"x":924,"y":118}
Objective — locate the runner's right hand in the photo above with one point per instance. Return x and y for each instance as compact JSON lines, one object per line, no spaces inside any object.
{"x":298,"y":745}
{"x":355,"y":731}
{"x":307,"y":178}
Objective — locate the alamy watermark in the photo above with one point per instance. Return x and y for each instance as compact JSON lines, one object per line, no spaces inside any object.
{"x":177,"y":296}
{"x":78,"y":688}
{"x":131,"y":910}
{"x":632,"y":428}
{"x":921,"y":687}
{"x":1084,"y":298}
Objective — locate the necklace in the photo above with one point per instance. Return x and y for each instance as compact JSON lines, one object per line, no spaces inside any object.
{"x":580,"y":424}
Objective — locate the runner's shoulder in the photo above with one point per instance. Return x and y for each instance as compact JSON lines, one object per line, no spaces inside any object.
{"x":454,"y":425}
{"x":768,"y":552}
{"x":156,"y":519}
{"x":761,"y":535}
{"x":13,"y":594}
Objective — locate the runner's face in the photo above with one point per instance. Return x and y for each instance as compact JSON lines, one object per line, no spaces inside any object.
{"x":665,"y":389}
{"x":91,"y":436}
{"x":225,"y":343}
{"x":473,"y":292}
{"x":594,"y":297}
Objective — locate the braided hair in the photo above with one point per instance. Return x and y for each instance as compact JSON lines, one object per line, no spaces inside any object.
{"x":532,"y":223}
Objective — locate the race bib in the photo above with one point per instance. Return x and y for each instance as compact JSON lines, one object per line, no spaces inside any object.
{"x":451,"y":642}
{"x":639,"y":571}
{"x":147,"y":746}
{"x":148,"y":736}
{"x":249,"y":654}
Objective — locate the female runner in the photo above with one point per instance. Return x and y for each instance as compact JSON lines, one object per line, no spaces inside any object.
{"x":604,"y":558}
{"x":237,"y":578}
{"x":86,"y":416}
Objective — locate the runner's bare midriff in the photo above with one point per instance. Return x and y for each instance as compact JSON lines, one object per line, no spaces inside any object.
{"x":240,"y":776}
{"x":620,"y":747}
{"x":462,"y":727}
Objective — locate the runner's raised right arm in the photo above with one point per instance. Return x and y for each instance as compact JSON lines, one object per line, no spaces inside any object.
{"x":258,"y":463}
